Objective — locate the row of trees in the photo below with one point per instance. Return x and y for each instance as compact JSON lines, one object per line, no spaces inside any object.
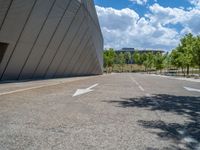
{"x":186,"y":55}
{"x":149,"y":60}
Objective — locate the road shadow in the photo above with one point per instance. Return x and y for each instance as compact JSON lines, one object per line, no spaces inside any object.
{"x":188,"y":134}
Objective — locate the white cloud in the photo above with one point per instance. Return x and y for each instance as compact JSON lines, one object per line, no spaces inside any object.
{"x":125,"y":28}
{"x":140,"y":2}
{"x":165,"y":15}
{"x":116,"y":19}
{"x":188,"y":19}
{"x":196,"y":3}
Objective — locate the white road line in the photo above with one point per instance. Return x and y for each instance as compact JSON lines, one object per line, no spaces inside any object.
{"x":192,"y":89}
{"x":139,"y":86}
{"x":176,"y":78}
{"x":84,"y":91}
{"x":41,"y":86}
{"x":30,"y":88}
{"x":148,"y":95}
{"x":93,"y":86}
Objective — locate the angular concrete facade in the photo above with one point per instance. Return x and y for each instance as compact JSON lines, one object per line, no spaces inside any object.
{"x":49,"y":39}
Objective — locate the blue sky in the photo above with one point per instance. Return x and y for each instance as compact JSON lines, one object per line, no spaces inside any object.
{"x":147,"y":24}
{"x":142,"y":9}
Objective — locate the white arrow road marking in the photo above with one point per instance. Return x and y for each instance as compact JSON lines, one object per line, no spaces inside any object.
{"x":84,"y":91}
{"x":192,"y":89}
{"x":139,"y":86}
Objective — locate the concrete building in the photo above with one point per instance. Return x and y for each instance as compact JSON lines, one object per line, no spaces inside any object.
{"x":49,"y":39}
{"x":132,"y":50}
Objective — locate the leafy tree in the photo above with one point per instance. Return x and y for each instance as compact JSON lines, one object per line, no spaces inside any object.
{"x":176,"y":59}
{"x":167,"y":61}
{"x":137,"y":58}
{"x":121,"y":60}
{"x":116,"y":60}
{"x":159,"y":61}
{"x":186,"y":48}
{"x":143,"y":59}
{"x":109,"y":57}
{"x":127,"y":57}
{"x":196,"y":52}
{"x":183,"y":56}
{"x":148,"y":61}
{"x":105,"y":60}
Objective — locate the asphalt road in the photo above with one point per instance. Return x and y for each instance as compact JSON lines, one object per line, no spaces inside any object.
{"x":124,"y":111}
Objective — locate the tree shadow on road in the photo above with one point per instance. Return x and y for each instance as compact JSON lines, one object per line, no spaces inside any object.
{"x":187,"y":133}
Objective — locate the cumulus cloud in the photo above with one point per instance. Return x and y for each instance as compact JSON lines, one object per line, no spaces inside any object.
{"x":165,"y":15}
{"x":196,"y":3}
{"x":121,"y":19}
{"x":159,"y":14}
{"x":140,"y":2}
{"x":125,"y":28}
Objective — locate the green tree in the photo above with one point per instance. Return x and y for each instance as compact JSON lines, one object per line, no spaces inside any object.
{"x":159,"y":61}
{"x":109,"y":58}
{"x":121,"y":60}
{"x":137,"y":58}
{"x":105,"y":61}
{"x":186,"y":48}
{"x":176,"y":60}
{"x":127,"y":57}
{"x":143,"y":59}
{"x":196,"y":52}
{"x":148,"y":61}
{"x":167,"y":61}
{"x":183,"y":56}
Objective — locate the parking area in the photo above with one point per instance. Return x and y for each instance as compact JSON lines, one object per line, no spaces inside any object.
{"x":116,"y":111}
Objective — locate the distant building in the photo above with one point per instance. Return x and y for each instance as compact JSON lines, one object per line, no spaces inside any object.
{"x":132,"y":50}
